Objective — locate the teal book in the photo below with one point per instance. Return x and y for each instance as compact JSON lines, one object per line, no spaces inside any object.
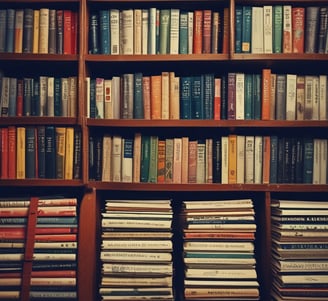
{"x":153,"y":156}
{"x":12,"y":96}
{"x":145,"y":158}
{"x":164,"y":31}
{"x":308,"y":160}
{"x":104,"y":32}
{"x":94,"y":34}
{"x":257,"y":96}
{"x":246,"y":29}
{"x":185,"y":97}
{"x":273,"y":159}
{"x":138,"y":110}
{"x":238,"y":27}
{"x":277,"y":28}
{"x":249,"y":101}
{"x":57,"y":97}
{"x":30,"y":156}
{"x":208,"y":84}
{"x":197,"y":100}
{"x":183,"y":36}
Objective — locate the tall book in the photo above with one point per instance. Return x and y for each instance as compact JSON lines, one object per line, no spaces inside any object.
{"x":232,"y":159}
{"x":44,"y":30}
{"x":18,"y":31}
{"x":127,"y":160}
{"x":257,"y":45}
{"x":156,"y":96}
{"x":153,"y":159}
{"x":177,"y":159}
{"x":266,"y":93}
{"x":287,"y":29}
{"x":60,"y":152}
{"x":268,"y":28}
{"x":312,"y":18}
{"x":116,"y":158}
{"x":20,"y":153}
{"x":69,"y":154}
{"x":298,"y":21}
{"x":30,"y":153}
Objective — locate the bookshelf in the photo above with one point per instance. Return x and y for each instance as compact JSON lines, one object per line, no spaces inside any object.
{"x":84,"y":64}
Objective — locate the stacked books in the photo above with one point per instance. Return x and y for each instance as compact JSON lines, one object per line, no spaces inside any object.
{"x":300,"y":250}
{"x":136,"y":250}
{"x":218,"y":242}
{"x":51,"y":242}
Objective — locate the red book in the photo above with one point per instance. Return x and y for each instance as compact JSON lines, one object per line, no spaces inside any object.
{"x":19,"y":97}
{"x":4,"y":153}
{"x":198,"y":32}
{"x":12,"y":152}
{"x":225,"y":38}
{"x":217,"y":98}
{"x":266,"y":93}
{"x":74,"y":32}
{"x":298,"y":20}
{"x":67,"y":32}
{"x":207,"y":30}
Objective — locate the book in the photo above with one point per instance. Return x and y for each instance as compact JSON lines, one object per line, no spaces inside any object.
{"x":156,"y":96}
{"x":312,"y":17}
{"x":257,"y":30}
{"x":287,"y":45}
{"x":298,"y":20}
{"x":268,"y":28}
{"x":278,"y":28}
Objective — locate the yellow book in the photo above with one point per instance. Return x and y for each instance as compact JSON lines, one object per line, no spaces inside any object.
{"x":232,"y":159}
{"x":36,"y":30}
{"x":20,"y":153}
{"x":60,"y":152}
{"x":69,"y":153}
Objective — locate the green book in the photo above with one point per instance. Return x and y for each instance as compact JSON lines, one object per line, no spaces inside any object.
{"x":246,"y":29}
{"x":153,"y":154}
{"x":183,"y":37}
{"x":138,"y":110}
{"x":145,"y":158}
{"x":249,"y":101}
{"x":197,"y":106}
{"x":277,"y":28}
{"x":164,"y":31}
{"x":169,"y":148}
{"x":238,"y":28}
{"x":257,"y":96}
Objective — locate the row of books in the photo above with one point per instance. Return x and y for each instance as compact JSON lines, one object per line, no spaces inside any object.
{"x":53,"y":237}
{"x":36,"y":152}
{"x":233,"y":159}
{"x":41,"y":96}
{"x":44,"y":30}
{"x":157,"y":31}
{"x":234,"y":96}
{"x":218,"y":250}
{"x":281,"y":29}
{"x":299,"y":248}
{"x":136,"y":250}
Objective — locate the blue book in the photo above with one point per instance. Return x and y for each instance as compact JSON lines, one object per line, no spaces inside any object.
{"x":183,"y":37}
{"x":238,"y":27}
{"x":273,"y":159}
{"x":208,"y":84}
{"x":197,"y":100}
{"x":104,"y":31}
{"x":94,"y":34}
{"x":249,"y":101}
{"x":10,"y":34}
{"x":3,"y":30}
{"x":246,"y":29}
{"x":185,"y":97}
{"x":30,"y":156}
{"x":57,"y":97}
{"x":138,"y":110}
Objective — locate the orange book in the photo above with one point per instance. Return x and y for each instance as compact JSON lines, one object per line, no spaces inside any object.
{"x":4,"y":153}
{"x":298,"y":20}
{"x":20,"y":153}
{"x":161,"y":161}
{"x":198,"y":32}
{"x":192,"y":158}
{"x":12,"y":152}
{"x":156,"y":96}
{"x":266,"y":93}
{"x":232,"y":159}
{"x":185,"y":160}
{"x":266,"y":160}
{"x":217,"y":98}
{"x":207,"y":30}
{"x":18,"y":30}
{"x":67,"y":40}
{"x":146,"y":96}
{"x":225,"y":38}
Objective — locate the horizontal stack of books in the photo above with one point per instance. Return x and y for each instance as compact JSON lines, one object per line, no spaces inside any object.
{"x":219,"y":250}
{"x":50,"y":242}
{"x":300,"y":249}
{"x":136,"y":251}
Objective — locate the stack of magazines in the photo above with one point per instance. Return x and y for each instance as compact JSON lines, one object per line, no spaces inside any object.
{"x":54,"y":248}
{"x":218,"y":243}
{"x":136,"y":250}
{"x":300,"y":249}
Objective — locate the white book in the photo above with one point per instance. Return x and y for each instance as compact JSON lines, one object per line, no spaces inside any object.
{"x":174,"y":30}
{"x":308,"y":100}
{"x":249,"y":159}
{"x":108,"y":102}
{"x":51,"y":96}
{"x":257,"y":30}
{"x":106,"y":158}
{"x":165,"y":95}
{"x":116,"y":158}
{"x":240,"y":159}
{"x":127,"y":160}
{"x":267,"y":28}
{"x":145,"y":26}
{"x":131,"y":244}
{"x":291,"y":96}
{"x":64,"y":96}
{"x":190,"y":32}
{"x":315,"y":98}
{"x":152,"y":31}
{"x":44,"y":30}
{"x":323,"y":97}
{"x":258,"y":159}
{"x":136,"y":157}
{"x":201,"y":161}
{"x":177,"y":160}
{"x":221,"y":273}
{"x":127,"y":38}
{"x":218,"y":246}
{"x":135,"y":269}
{"x":137,"y":31}
{"x":119,"y":256}
{"x":209,"y":160}
{"x":224,"y":159}
{"x":114,"y":31}
{"x":43,"y":95}
{"x":287,"y":29}
{"x":240,"y":96}
{"x":116,"y":92}
{"x":87,"y":95}
{"x":99,"y":97}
